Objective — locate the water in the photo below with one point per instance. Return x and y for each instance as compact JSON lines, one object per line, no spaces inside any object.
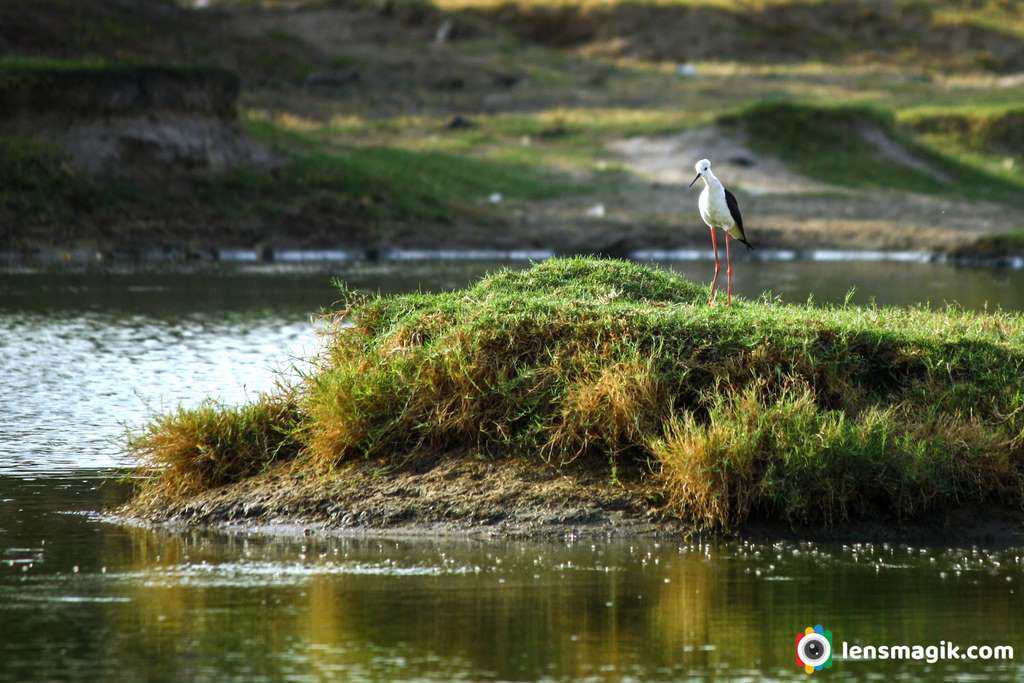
{"x":82,"y":356}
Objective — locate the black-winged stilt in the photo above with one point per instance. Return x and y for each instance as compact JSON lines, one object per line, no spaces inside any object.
{"x":719,"y":209}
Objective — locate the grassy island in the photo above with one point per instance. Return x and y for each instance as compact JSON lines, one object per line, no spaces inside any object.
{"x":620,"y":383}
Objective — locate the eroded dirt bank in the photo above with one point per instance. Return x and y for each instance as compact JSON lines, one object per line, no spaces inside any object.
{"x":130,"y":120}
{"x":449,"y":496}
{"x":510,"y":499}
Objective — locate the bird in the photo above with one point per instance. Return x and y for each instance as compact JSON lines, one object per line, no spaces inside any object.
{"x":719,"y":209}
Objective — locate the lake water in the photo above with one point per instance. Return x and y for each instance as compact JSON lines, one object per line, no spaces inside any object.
{"x":82,"y":356}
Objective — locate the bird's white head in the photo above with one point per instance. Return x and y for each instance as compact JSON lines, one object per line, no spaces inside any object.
{"x":702,"y":167}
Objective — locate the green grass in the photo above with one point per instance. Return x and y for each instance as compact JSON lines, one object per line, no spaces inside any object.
{"x":379,"y":158}
{"x":214,"y":445}
{"x":37,"y":185}
{"x":40,"y":66}
{"x":996,"y":132}
{"x":1015,"y":239}
{"x":397,"y":183}
{"x":795,"y":412}
{"x":828,"y":144}
{"x":329,"y":183}
{"x":29,"y":62}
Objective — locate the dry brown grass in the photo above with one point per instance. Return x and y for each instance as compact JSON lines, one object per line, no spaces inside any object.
{"x":192,"y":450}
{"x":613,"y":409}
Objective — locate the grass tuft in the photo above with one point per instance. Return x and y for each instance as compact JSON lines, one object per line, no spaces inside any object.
{"x":197,"y":449}
{"x":788,"y":457}
{"x":809,"y":414}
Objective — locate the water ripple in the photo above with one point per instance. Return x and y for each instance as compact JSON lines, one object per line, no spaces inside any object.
{"x":82,"y":378}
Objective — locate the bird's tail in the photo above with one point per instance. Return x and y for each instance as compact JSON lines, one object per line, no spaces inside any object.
{"x":737,"y":234}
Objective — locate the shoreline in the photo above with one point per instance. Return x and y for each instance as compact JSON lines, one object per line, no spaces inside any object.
{"x":460,"y":495}
{"x":995,"y":530}
{"x":175,"y":259}
{"x":379,"y":514}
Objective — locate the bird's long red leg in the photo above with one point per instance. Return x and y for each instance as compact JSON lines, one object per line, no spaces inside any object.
{"x":728,"y":268}
{"x":714,"y":281}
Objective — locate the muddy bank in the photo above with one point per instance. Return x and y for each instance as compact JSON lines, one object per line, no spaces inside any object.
{"x":458,"y":495}
{"x":512,"y":499}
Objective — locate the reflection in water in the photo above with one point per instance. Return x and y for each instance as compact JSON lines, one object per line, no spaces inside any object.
{"x":160,"y":605}
{"x":81,"y":356}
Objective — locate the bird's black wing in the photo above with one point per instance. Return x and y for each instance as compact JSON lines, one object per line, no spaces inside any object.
{"x":734,"y":211}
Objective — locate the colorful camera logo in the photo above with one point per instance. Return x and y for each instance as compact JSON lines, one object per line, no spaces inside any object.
{"x":814,"y":649}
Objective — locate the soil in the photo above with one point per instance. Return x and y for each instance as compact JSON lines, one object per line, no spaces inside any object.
{"x":455,"y":494}
{"x":461,"y":495}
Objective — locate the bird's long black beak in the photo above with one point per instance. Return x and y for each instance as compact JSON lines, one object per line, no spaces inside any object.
{"x":694,"y":180}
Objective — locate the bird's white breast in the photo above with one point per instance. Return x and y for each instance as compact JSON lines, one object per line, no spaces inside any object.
{"x":713,"y":209}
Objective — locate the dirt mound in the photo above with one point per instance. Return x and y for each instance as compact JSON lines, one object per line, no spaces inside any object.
{"x":137,"y":120}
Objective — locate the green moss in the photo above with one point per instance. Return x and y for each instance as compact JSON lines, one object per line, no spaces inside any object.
{"x":800,"y":412}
